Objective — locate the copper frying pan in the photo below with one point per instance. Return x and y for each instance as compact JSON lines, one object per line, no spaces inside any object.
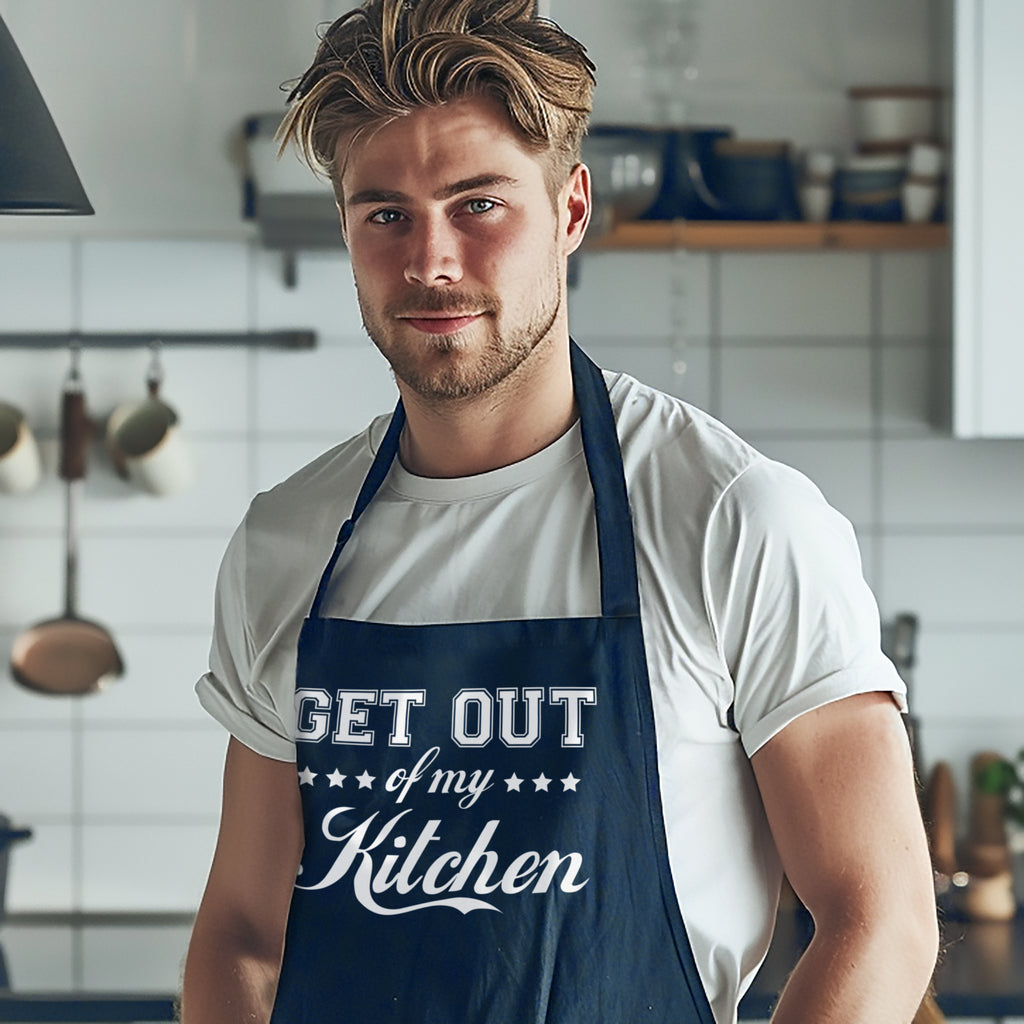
{"x":68,"y":655}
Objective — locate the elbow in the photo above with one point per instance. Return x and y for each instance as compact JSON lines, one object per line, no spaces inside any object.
{"x":893,"y":934}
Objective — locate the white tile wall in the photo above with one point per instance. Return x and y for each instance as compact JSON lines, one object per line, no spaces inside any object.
{"x":336,"y":389}
{"x":796,"y":295}
{"x":157,"y":958}
{"x":811,"y":389}
{"x":145,"y":867}
{"x":175,"y":286}
{"x":35,"y":287}
{"x":39,"y":960}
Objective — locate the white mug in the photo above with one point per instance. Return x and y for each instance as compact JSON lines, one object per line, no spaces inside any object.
{"x":815,"y":200}
{"x":20,"y":466}
{"x":147,"y":447}
{"x":920,"y":198}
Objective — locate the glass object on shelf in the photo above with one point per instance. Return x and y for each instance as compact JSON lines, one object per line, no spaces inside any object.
{"x":671,"y":33}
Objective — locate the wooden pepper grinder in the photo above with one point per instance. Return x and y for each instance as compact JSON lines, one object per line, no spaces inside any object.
{"x":989,"y":895}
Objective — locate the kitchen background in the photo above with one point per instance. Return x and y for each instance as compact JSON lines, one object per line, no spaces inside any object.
{"x":834,"y":362}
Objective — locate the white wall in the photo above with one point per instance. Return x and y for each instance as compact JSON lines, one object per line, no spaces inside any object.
{"x":823,"y":360}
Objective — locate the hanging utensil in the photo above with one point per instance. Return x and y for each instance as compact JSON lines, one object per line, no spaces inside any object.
{"x":68,"y":655}
{"x":145,"y":440}
{"x":899,"y":641}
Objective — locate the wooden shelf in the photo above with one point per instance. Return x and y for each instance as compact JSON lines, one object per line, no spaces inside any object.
{"x":770,"y":235}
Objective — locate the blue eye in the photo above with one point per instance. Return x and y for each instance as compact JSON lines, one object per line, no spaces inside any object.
{"x":481,"y":205}
{"x":386,"y":217}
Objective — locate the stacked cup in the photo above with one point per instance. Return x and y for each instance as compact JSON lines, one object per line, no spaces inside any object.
{"x":20,"y":467}
{"x":922,"y":187}
{"x":816,"y":185}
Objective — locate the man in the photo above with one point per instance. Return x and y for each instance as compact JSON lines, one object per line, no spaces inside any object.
{"x":584,"y":673}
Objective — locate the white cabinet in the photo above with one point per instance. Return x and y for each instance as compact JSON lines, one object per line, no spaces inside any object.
{"x":988,"y":271}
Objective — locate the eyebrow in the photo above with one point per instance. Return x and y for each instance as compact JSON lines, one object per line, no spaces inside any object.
{"x":378,"y":195}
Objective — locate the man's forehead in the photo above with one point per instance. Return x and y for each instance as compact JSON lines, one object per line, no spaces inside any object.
{"x":456,"y":141}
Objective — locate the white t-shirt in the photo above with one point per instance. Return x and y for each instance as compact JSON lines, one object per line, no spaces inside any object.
{"x":753,"y":605}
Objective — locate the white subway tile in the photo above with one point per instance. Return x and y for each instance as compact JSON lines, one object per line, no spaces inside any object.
{"x":625,"y":295}
{"x":40,"y":958}
{"x":32,"y":570}
{"x":678,"y":369}
{"x":932,"y":482}
{"x":843,"y":470}
{"x":31,"y":378}
{"x":277,"y":460}
{"x":142,"y":582}
{"x":942,"y":293}
{"x":36,"y":771}
{"x":148,"y":772}
{"x":135,"y":958}
{"x":158,"y":685}
{"x":164,"y":285}
{"x":956,"y":580}
{"x":41,"y":870}
{"x":334,"y":389}
{"x":908,"y":390}
{"x":791,"y":295}
{"x":35,"y":287}
{"x":905,"y":298}
{"x":323,"y":299}
{"x":964,"y":674}
{"x":146,"y":867}
{"x":808,"y":388}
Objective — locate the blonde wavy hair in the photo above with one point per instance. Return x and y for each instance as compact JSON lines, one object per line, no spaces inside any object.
{"x":387,"y":58}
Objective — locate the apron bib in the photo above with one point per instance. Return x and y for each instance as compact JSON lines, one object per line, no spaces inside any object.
{"x":483,"y":823}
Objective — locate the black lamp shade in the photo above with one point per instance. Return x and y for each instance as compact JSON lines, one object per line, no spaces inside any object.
{"x":36,"y":173}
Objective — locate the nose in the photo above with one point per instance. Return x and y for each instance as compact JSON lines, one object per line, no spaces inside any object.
{"x":433,"y":256}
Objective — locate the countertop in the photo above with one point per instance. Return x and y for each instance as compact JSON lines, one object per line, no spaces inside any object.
{"x":125,"y":967}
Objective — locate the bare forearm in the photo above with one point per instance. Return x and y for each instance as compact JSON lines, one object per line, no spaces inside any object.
{"x":227,"y":981}
{"x":863,"y":976}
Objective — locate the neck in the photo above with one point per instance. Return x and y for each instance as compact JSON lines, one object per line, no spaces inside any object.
{"x":526,"y":412}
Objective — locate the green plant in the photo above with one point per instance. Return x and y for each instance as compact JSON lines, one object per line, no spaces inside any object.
{"x":1006,"y":779}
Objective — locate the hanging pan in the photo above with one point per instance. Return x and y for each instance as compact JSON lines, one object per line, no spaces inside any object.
{"x":68,"y":655}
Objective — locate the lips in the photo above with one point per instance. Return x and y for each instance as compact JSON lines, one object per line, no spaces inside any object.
{"x":445,"y":323}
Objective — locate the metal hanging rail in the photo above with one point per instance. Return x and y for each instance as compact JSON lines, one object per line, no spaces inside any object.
{"x":296,"y":339}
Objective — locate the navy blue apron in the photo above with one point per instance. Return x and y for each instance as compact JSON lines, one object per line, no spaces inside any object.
{"x":483,"y":824}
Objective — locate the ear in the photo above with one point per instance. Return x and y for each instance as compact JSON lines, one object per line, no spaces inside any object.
{"x":575,"y":205}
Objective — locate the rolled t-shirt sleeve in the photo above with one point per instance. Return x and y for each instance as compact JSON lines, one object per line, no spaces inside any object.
{"x":230,"y":690}
{"x":796,"y":623}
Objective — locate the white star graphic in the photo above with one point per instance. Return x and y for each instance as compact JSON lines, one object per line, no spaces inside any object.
{"x":569,"y":782}
{"x":306,"y":777}
{"x":541,"y":782}
{"x":513,"y":782}
{"x":366,"y":780}
{"x":337,"y":778}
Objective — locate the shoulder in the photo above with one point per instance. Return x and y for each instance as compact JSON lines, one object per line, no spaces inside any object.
{"x":673,"y":451}
{"x":317,"y":498}
{"x":288,"y":532}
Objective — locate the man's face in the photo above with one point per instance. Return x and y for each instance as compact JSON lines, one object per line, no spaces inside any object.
{"x":457,"y":247}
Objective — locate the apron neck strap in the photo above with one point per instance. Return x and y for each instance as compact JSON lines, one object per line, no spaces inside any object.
{"x":386,"y":454}
{"x":616,"y":550}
